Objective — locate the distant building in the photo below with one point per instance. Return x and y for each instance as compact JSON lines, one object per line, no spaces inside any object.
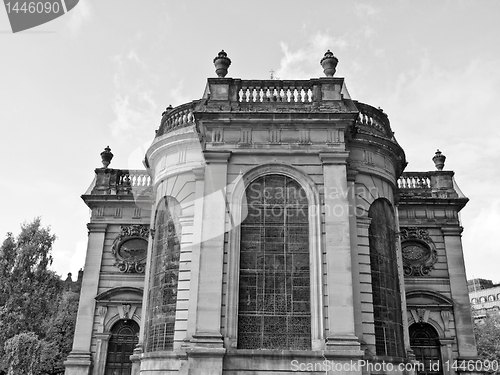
{"x":478,"y":284}
{"x":74,"y":286}
{"x":484,"y":297}
{"x":273,"y":229}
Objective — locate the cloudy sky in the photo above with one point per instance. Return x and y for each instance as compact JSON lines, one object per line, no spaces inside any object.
{"x":103,"y":73}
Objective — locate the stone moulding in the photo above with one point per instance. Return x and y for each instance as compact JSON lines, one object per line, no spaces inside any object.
{"x":131,"y":260}
{"x":418,"y":250}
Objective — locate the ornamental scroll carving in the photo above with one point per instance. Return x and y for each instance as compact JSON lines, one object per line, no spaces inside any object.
{"x":419,"y":252}
{"x":130,"y":248}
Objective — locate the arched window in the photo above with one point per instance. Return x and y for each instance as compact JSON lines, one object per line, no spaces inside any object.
{"x":385,"y":280}
{"x":425,"y":345}
{"x":164,"y":272}
{"x":491,"y":298}
{"x":124,"y":338}
{"x":473,"y":301}
{"x":274,"y":310}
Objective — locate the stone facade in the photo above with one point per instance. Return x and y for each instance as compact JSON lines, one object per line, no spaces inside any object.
{"x":281,"y":235}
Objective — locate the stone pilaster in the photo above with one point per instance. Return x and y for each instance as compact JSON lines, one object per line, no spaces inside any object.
{"x":341,"y":337}
{"x":459,"y":292}
{"x":199,"y":175}
{"x":79,"y":361}
{"x":353,"y":233}
{"x":101,"y":352}
{"x":447,"y":355}
{"x":206,"y":351}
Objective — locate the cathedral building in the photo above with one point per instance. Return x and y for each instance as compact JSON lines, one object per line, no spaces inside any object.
{"x":274,"y":231}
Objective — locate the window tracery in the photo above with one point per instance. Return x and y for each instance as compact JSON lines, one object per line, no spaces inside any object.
{"x":274,"y":310}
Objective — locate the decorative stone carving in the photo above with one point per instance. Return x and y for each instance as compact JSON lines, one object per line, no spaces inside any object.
{"x":106,"y":157}
{"x":329,"y":64}
{"x":418,"y":250}
{"x":222,"y":63}
{"x":130,"y":248}
{"x":439,"y":160}
{"x":446,"y":316}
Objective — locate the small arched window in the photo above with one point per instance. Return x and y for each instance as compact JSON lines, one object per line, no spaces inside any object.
{"x":473,"y":301}
{"x":124,"y":338}
{"x":425,"y":345}
{"x":491,"y":298}
{"x":274,"y":309}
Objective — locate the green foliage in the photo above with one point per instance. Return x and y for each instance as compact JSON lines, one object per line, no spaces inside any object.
{"x":23,"y":353}
{"x":33,"y":303}
{"x":487,"y":332}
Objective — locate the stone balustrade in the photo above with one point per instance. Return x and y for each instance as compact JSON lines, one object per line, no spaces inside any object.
{"x":414,"y":180}
{"x":261,"y":91}
{"x":174,"y":118}
{"x":120,"y":181}
{"x":374,"y":119}
{"x":134,"y":178}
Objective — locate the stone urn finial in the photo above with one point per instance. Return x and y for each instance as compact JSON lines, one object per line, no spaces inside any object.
{"x":329,"y":64}
{"x":106,"y":157}
{"x":438,"y":160}
{"x":221,"y":62}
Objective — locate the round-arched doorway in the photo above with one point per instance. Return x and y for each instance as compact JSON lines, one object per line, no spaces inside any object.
{"x":424,"y":341}
{"x":124,"y":338}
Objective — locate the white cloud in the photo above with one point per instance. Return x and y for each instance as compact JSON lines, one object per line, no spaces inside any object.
{"x":133,"y":105}
{"x":78,"y":15}
{"x":453,"y":109}
{"x":366,"y":10}
{"x":298,"y":64}
{"x":134,"y":113}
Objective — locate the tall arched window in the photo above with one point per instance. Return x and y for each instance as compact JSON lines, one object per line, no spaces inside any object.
{"x":124,"y":338}
{"x":385,"y":280}
{"x":425,"y":345}
{"x":164,"y":274}
{"x":274,"y":310}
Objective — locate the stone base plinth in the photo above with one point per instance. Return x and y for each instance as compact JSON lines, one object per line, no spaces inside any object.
{"x":78,"y":363}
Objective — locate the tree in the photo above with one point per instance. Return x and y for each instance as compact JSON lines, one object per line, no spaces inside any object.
{"x":28,"y":288}
{"x":60,"y":332}
{"x":487,"y":332}
{"x":23,"y":354}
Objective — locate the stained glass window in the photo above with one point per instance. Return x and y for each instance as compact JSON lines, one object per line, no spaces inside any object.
{"x":164,"y":272}
{"x":274,"y":310}
{"x":385,"y":280}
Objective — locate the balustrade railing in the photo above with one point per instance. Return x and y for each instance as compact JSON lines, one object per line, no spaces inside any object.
{"x":134,"y":178}
{"x":373,"y":118}
{"x":414,"y":180}
{"x":261,"y":91}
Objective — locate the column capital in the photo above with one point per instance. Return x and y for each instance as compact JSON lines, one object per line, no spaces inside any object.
{"x":97,"y":227}
{"x":335,"y":158}
{"x":103,"y":336}
{"x":351,"y":174}
{"x":452,"y":230}
{"x":219,"y":157}
{"x":446,"y":340}
{"x":199,"y":173}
